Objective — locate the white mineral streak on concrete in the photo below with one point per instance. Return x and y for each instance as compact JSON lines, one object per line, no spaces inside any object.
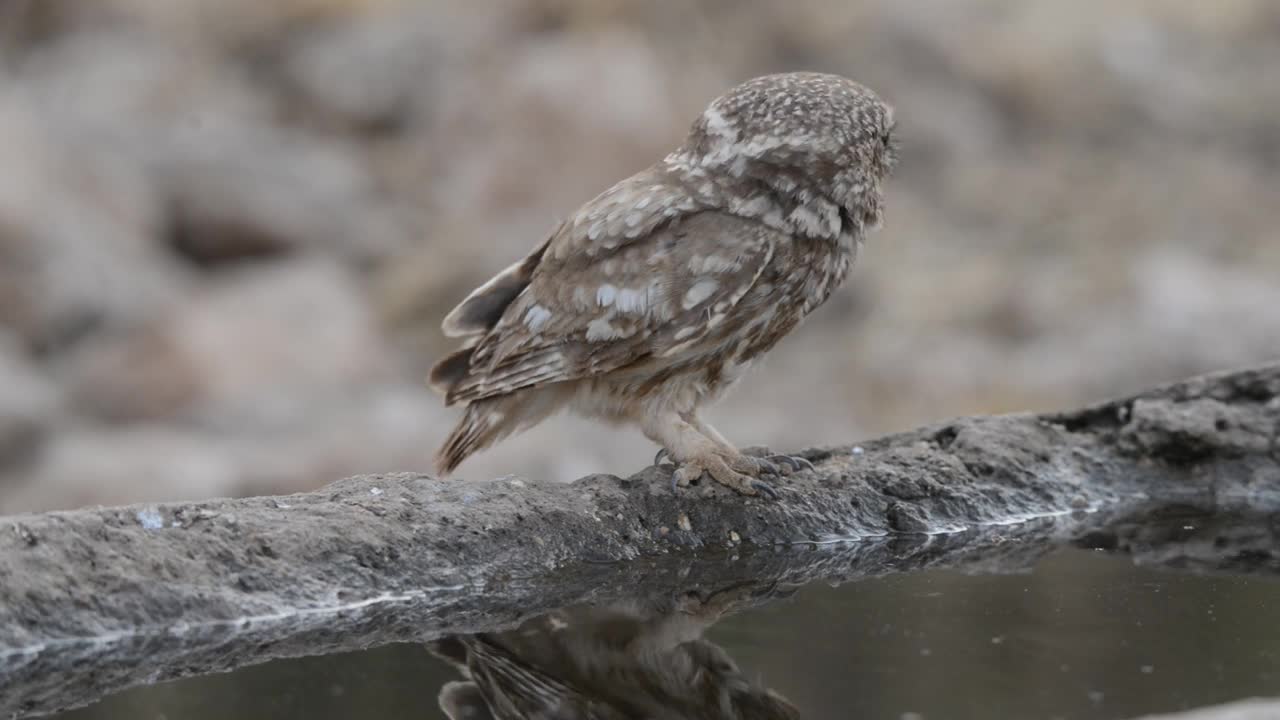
{"x":243,"y":623}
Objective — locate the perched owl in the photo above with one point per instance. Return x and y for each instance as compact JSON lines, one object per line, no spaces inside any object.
{"x":603,"y":663}
{"x":655,"y":297}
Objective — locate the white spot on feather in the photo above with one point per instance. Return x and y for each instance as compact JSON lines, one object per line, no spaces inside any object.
{"x":756,"y":206}
{"x":632,"y":301}
{"x":677,"y":348}
{"x":697,"y":294}
{"x":700,"y":265}
{"x":764,"y":318}
{"x":606,"y":294}
{"x":806,"y":220}
{"x":717,"y":124}
{"x":536,"y":316}
{"x":603,"y":329}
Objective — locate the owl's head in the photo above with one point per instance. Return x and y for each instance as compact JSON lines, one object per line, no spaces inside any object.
{"x":804,"y":135}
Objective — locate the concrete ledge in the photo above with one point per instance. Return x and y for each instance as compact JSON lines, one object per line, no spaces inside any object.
{"x":164,"y":590}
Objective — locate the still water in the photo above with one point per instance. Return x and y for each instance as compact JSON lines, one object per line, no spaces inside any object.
{"x":1084,"y":633}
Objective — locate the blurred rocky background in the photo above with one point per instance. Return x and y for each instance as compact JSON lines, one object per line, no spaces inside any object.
{"x":229,"y":230}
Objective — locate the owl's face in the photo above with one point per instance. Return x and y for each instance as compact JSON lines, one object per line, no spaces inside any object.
{"x":805,"y":135}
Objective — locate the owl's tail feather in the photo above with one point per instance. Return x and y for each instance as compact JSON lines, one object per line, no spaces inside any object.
{"x":461,"y":699}
{"x":489,"y":420}
{"x":449,"y":372}
{"x":481,"y":427}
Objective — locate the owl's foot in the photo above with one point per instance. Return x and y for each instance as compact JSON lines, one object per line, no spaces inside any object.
{"x":728,"y":599}
{"x":732,"y":472}
{"x":697,"y":450}
{"x":752,"y":465}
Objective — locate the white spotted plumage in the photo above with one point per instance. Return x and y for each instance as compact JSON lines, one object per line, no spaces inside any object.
{"x":656,"y":295}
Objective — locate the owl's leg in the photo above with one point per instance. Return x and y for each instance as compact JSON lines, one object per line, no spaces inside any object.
{"x":696,"y":455}
{"x":765,"y":461}
{"x":756,"y":466}
{"x":705,"y":428}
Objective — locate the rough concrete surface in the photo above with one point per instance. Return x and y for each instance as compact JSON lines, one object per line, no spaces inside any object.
{"x":155,"y":591}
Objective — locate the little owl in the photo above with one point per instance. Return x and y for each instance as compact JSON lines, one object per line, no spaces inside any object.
{"x":653,"y":298}
{"x":619,"y":661}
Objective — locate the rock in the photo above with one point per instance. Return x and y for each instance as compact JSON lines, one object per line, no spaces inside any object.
{"x":232,"y":182}
{"x":131,"y":88}
{"x":29,"y":404}
{"x":193,"y":21}
{"x":152,"y":462}
{"x":1078,"y":211}
{"x":76,"y":222}
{"x":291,"y":449}
{"x":252,"y":344}
{"x":384,"y":73}
{"x":138,"y":375}
{"x":248,"y":192}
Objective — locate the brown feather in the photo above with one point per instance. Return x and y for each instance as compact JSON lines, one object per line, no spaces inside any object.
{"x":450,"y":372}
{"x":513,"y":356}
{"x":523,"y":371}
{"x":489,"y":420}
{"x":477,"y":431}
{"x":485,"y":305}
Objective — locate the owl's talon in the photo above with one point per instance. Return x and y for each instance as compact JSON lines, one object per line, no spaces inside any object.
{"x":752,"y":466}
{"x":686,"y":474}
{"x":680,"y":479}
{"x":661,"y":456}
{"x":793,"y":462}
{"x":765,"y":466}
{"x":765,"y":489}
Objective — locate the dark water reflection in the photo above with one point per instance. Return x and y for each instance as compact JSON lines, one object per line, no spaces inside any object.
{"x":1085,"y":633}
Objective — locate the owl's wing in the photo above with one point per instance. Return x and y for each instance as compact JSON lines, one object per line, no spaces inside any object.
{"x":613,"y":290}
{"x":516,"y":690}
{"x":622,"y":214}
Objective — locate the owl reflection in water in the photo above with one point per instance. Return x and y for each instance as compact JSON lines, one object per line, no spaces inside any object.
{"x":655,"y":297}
{"x":614,"y":662}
